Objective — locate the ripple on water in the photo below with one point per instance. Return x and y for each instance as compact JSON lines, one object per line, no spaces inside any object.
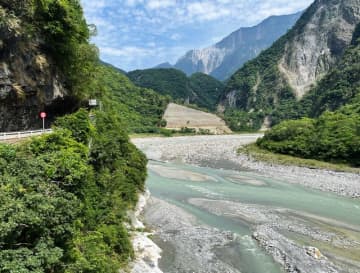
{"x":323,"y":212}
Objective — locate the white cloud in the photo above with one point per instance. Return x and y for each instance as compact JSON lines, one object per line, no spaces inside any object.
{"x":128,"y":51}
{"x":206,"y":11}
{"x":132,"y":3}
{"x":130,"y":58}
{"x":135,"y":32}
{"x":175,"y":36}
{"x":160,"y":4}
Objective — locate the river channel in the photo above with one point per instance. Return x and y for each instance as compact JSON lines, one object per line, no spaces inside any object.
{"x":267,"y":224}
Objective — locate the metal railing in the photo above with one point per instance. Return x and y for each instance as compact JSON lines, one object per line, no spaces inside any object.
{"x":23,"y":134}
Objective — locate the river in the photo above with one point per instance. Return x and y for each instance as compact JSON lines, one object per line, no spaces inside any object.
{"x":228,"y":218}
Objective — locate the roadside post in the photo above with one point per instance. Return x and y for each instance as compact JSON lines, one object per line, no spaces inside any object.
{"x":43,"y":116}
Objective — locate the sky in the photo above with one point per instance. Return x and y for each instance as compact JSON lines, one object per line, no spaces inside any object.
{"x":138,"y":34}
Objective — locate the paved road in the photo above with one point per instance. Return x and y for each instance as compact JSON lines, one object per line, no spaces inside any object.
{"x":13,"y":136}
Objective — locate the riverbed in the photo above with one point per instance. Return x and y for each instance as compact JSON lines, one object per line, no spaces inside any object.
{"x":213,"y":211}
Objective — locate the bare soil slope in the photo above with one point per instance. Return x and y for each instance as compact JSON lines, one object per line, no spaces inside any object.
{"x":178,"y":116}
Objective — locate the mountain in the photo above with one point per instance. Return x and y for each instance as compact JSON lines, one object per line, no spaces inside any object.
{"x":224,"y":58}
{"x":337,"y":88}
{"x":207,"y":90}
{"x":113,"y":67}
{"x":273,"y":83}
{"x":170,"y":82}
{"x":330,"y":136}
{"x":199,"y":89}
{"x":164,"y":65}
{"x":141,"y":108}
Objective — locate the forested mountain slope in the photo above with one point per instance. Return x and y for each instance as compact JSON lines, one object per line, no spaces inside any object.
{"x":336,"y":89}
{"x":288,"y":70}
{"x":199,"y":89}
{"x":141,"y":108}
{"x":331,"y":136}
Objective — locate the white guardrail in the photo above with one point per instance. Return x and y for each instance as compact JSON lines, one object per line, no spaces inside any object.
{"x":23,"y":134}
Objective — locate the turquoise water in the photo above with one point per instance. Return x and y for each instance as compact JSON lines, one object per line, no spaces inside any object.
{"x":251,"y":188}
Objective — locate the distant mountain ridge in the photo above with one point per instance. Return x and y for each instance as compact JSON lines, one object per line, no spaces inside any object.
{"x":225,"y":57}
{"x":164,"y":65}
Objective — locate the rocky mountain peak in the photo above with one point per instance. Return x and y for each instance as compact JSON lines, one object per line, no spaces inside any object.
{"x":225,"y":57}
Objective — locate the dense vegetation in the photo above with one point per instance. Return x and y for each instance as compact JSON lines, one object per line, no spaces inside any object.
{"x":61,"y":31}
{"x":257,"y":88}
{"x":64,"y":36}
{"x":171,"y":82}
{"x":141,"y":108}
{"x":207,"y":90}
{"x":64,"y":195}
{"x":334,"y":136}
{"x":63,"y":201}
{"x":198,"y":89}
{"x":331,"y":136}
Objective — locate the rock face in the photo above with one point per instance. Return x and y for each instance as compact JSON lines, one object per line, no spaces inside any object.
{"x":29,"y":81}
{"x":319,"y":43}
{"x":297,"y":60}
{"x":273,"y":83}
{"x":224,"y":58}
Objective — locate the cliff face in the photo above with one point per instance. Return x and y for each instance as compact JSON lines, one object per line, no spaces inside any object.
{"x":224,"y":58}
{"x":283,"y":74}
{"x":320,"y":43}
{"x":29,"y":80}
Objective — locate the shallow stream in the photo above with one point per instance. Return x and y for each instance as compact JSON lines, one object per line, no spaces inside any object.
{"x":179,"y":184}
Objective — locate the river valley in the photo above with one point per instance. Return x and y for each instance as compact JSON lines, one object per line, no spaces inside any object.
{"x":215,"y":211}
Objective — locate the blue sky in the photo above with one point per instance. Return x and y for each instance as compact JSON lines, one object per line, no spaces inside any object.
{"x":137,"y":34}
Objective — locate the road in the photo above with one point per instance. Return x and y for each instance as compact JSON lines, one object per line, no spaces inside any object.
{"x":15,"y":136}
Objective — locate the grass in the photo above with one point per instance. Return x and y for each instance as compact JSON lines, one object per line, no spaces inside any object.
{"x":177,"y":134}
{"x":259,"y":154}
{"x":145,"y":135}
{"x":149,"y":135}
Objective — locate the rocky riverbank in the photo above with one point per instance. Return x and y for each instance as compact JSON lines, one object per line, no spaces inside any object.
{"x":299,"y":238}
{"x":221,"y":152}
{"x":147,"y":253}
{"x":190,"y":246}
